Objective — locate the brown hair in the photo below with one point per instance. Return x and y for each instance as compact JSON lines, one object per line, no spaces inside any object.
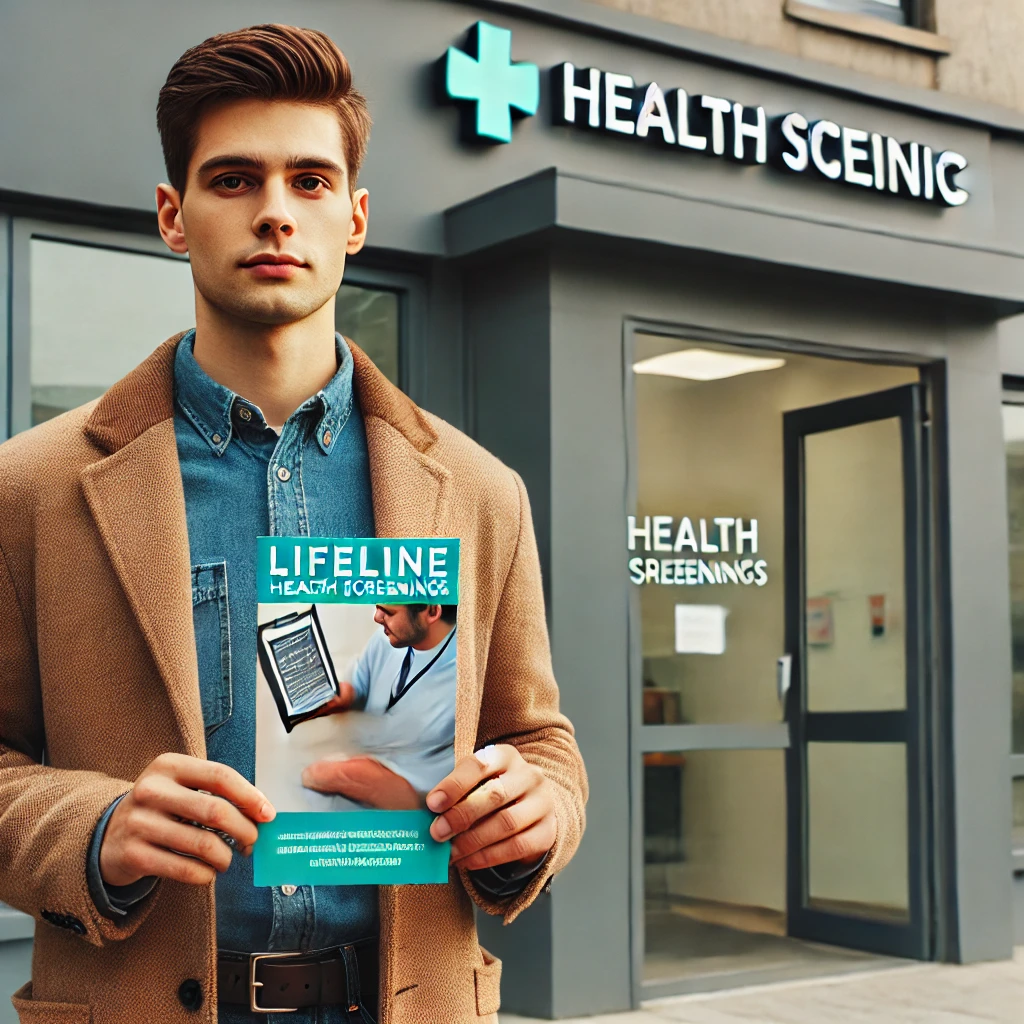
{"x":272,"y":62}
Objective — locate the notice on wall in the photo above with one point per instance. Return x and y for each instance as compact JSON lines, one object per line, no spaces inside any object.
{"x":700,"y":628}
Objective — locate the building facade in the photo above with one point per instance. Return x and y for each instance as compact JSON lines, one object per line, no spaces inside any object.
{"x":737,"y":297}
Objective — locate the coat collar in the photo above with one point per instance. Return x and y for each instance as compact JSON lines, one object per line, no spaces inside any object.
{"x":145,"y":397}
{"x":137,"y":500}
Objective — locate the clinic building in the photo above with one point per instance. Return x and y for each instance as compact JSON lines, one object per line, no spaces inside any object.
{"x":745,"y":325}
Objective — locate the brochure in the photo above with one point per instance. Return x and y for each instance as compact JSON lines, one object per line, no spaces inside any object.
{"x":355,"y":706}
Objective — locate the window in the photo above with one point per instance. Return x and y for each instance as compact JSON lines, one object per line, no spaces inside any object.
{"x":91,"y":305}
{"x":897,"y":11}
{"x":1013,"y":434}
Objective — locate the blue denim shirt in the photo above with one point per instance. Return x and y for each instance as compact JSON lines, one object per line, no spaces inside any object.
{"x":242,"y":480}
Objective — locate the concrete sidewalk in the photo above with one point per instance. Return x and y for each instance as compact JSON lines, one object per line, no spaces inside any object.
{"x":916,"y":994}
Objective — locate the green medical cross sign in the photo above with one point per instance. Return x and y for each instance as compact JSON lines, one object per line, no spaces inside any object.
{"x":486,"y":78}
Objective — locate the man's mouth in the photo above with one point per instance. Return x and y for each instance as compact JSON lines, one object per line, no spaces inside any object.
{"x":273,"y":265}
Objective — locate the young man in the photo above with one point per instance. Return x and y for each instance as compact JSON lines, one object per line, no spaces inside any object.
{"x":127,"y":593}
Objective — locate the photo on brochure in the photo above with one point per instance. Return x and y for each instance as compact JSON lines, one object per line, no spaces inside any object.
{"x":355,"y":707}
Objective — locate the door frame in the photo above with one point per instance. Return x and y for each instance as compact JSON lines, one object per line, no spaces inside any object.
{"x":907,"y":726}
{"x":644,"y":739}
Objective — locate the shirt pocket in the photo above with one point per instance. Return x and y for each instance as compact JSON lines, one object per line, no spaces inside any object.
{"x":213,"y":641}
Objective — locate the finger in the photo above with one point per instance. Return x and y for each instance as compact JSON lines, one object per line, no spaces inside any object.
{"x":342,"y":702}
{"x":179,"y":837}
{"x":154,"y":860}
{"x":526,"y":846}
{"x":502,"y":824}
{"x":488,"y":797}
{"x":217,"y":778}
{"x":170,"y":799}
{"x":468,"y":774}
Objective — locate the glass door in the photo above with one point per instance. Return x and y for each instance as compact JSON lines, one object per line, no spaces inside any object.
{"x":854,"y":674}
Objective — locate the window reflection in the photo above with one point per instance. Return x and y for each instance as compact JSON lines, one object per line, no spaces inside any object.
{"x":95,"y":314}
{"x":369,"y":316}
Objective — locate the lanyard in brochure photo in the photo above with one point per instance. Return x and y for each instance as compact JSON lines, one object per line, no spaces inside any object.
{"x":394,"y":699}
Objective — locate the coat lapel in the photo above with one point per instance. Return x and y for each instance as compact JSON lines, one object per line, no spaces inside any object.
{"x":410,"y":489}
{"x":136,"y":498}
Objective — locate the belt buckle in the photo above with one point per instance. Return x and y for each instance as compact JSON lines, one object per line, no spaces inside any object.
{"x":254,"y":959}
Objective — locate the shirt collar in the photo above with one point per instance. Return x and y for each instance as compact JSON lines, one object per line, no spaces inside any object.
{"x":216,"y":411}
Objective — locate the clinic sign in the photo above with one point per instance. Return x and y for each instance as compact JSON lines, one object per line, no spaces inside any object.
{"x":665,"y":550}
{"x":493,"y":91}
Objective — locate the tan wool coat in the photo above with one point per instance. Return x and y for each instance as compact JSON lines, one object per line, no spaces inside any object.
{"x":98,"y":676}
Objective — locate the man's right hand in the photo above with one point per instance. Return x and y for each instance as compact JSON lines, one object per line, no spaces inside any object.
{"x":147,"y":831}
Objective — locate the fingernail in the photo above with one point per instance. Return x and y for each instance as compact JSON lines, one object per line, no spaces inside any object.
{"x":436,"y":801}
{"x":440,"y":829}
{"x":267,"y":813}
{"x":486,"y":755}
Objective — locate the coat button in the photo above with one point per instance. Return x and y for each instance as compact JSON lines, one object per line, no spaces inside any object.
{"x":190,"y":994}
{"x":284,"y":474}
{"x":288,"y":890}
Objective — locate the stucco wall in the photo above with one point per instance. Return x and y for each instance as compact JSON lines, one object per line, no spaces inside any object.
{"x":987,"y":36}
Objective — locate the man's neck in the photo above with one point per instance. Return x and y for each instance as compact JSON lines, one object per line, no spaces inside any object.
{"x":276,"y":367}
{"x":436,"y":634}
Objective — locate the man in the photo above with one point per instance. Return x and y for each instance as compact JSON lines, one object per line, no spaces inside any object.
{"x":411,"y":732}
{"x":127,"y":593}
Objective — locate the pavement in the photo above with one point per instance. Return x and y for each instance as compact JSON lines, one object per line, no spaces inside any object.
{"x":991,"y":993}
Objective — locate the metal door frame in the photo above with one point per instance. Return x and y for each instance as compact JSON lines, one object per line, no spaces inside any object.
{"x":909,"y":726}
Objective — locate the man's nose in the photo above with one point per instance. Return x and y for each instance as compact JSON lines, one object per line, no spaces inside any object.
{"x":275,"y":215}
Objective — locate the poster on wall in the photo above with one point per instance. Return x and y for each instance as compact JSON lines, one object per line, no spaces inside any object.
{"x":355,"y":707}
{"x":820,"y":627}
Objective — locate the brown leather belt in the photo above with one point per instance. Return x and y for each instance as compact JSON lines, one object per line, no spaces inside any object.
{"x":279,"y":982}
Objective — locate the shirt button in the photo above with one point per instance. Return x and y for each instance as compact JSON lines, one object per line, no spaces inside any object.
{"x":284,"y":474}
{"x":244,"y":413}
{"x":216,"y":438}
{"x":327,"y":438}
{"x":289,"y":890}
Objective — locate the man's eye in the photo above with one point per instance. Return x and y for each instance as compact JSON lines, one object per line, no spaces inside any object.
{"x":310,"y":184}
{"x":231,"y":182}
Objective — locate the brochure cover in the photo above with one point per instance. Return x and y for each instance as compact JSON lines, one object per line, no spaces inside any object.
{"x":355,"y":706}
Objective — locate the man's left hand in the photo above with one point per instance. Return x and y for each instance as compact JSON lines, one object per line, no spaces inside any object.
{"x":496,"y":808}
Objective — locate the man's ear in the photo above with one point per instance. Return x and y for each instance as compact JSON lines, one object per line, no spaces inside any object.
{"x":360,"y":219}
{"x":433,"y":613}
{"x":169,"y":218}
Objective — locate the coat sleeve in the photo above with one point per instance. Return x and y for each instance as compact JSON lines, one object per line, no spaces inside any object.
{"x":47,"y":814}
{"x":520,"y":706}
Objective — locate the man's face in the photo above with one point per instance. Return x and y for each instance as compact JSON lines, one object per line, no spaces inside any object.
{"x":401,"y":626}
{"x":267,"y":217}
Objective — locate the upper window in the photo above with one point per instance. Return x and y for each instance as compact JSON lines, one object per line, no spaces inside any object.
{"x":98,"y":309}
{"x":897,"y":11}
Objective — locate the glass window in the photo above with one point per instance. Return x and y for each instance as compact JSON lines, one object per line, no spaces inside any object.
{"x":706,"y":544}
{"x":369,"y":317}
{"x":95,"y":314}
{"x":1013,"y":434}
{"x":890,"y":10}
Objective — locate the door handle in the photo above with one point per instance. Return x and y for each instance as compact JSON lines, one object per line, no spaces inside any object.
{"x":783,"y":676}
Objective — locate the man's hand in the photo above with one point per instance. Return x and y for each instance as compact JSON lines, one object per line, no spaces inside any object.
{"x":148,"y":830}
{"x":342,"y":702}
{"x":497,"y":809}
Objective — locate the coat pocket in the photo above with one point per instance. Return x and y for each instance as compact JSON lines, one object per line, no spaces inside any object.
{"x":213,"y":641}
{"x":31,"y":1011}
{"x":488,"y":985}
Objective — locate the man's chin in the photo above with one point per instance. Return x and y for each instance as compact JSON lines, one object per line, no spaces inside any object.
{"x":270,"y":306}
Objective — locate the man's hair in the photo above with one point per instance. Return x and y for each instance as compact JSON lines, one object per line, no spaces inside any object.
{"x":449,"y":612}
{"x":270,"y":62}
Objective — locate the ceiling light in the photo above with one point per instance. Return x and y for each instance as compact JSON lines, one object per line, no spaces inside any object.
{"x":704,"y":364}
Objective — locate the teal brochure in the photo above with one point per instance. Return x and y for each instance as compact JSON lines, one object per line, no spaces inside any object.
{"x":355,"y":706}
